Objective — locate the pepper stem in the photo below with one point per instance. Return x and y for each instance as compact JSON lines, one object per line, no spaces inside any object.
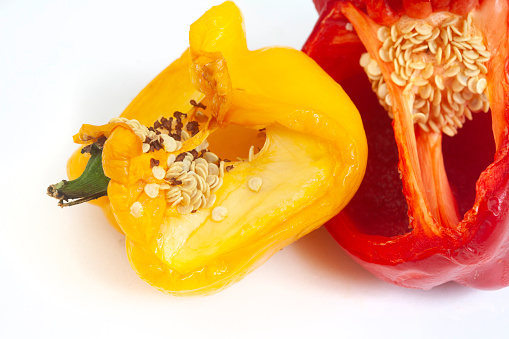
{"x":92,"y":183}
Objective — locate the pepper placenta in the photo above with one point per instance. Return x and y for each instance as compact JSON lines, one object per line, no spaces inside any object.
{"x":195,"y":221}
{"x":433,"y":205}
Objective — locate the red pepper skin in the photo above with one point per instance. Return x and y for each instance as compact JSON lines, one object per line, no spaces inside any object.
{"x":476,"y":252}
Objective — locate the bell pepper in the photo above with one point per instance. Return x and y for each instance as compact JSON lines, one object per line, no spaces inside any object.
{"x":194,"y":221}
{"x":433,"y":205}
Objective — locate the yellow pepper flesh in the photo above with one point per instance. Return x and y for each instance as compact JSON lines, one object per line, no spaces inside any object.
{"x":311,"y":164}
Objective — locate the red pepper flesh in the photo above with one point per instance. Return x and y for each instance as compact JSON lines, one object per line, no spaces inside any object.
{"x":388,"y":227}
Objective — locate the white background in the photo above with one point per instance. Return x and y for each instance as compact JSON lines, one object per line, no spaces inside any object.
{"x":64,"y":272}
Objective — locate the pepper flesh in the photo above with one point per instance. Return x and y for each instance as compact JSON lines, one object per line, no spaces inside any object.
{"x":312,"y":161}
{"x":407,"y":239}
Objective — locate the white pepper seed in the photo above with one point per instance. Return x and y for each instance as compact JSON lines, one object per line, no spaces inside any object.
{"x":255,"y":184}
{"x":152,"y":190}
{"x":137,"y":209}
{"x":219,"y":213}
{"x":158,"y":172}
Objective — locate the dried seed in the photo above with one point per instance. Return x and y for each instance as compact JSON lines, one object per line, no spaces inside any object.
{"x":425,"y":91}
{"x":158,"y":172}
{"x":432,"y":45}
{"x":455,"y":30}
{"x":388,"y":100}
{"x":365,"y":59}
{"x":201,"y":172}
{"x":391,"y":54}
{"x":447,"y":52}
{"x":152,"y":190}
{"x":382,"y":90}
{"x":420,"y":82}
{"x":407,"y":45}
{"x":384,"y":55}
{"x":448,"y":130}
{"x":221,"y":168}
{"x":165,"y":187}
{"x":435,"y":34}
{"x":398,"y":80}
{"x":373,"y":68}
{"x":388,"y":44}
{"x":250,"y":157}
{"x":424,"y":127}
{"x":472,"y":73}
{"x":435,"y":110}
{"x":211,"y":180}
{"x":457,"y":86}
{"x":424,"y":37}
{"x":213,"y":169}
{"x":471,"y":55}
{"x":457,"y":53}
{"x":255,"y":184}
{"x":462,"y":38}
{"x":438,"y":56}
{"x":470,"y":66}
{"x":409,"y":27}
{"x":428,"y":71}
{"x":452,"y":71}
{"x":485,"y":106}
{"x":176,"y":202}
{"x":475,"y":104}
{"x":437,"y":96}
{"x":457,"y":97}
{"x":443,"y":35}
{"x":439,"y":82}
{"x":462,"y":79}
{"x":394,"y":33}
{"x":210,"y":157}
{"x":478,"y":47}
{"x":408,"y":88}
{"x":184,"y":209}
{"x":450,"y":21}
{"x":433,"y":126}
{"x":210,"y":201}
{"x":449,"y":33}
{"x":219,"y":213}
{"x":481,"y":85}
{"x":396,"y":44}
{"x":217,"y":186}
{"x":484,"y":53}
{"x":457,"y":121}
{"x":419,"y":118}
{"x":468,"y":114}
{"x":415,"y":41}
{"x":418,"y":65}
{"x":482,"y":68}
{"x":136,"y":209}
{"x":401,"y":59}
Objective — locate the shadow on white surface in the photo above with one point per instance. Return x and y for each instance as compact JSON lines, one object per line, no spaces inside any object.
{"x":323,"y":256}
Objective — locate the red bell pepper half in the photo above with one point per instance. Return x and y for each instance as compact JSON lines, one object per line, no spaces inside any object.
{"x":433,"y":205}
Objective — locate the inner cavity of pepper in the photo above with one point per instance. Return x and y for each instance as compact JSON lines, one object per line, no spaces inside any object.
{"x":440,"y":63}
{"x":191,"y":178}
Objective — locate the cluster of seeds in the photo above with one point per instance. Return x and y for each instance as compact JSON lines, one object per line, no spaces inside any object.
{"x":442,"y":68}
{"x":193,"y":177}
{"x":191,"y":181}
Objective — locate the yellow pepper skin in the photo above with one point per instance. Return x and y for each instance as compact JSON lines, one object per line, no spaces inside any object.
{"x":311,"y":163}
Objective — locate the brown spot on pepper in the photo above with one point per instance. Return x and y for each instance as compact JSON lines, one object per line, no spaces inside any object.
{"x":197,"y":104}
{"x":154,"y":162}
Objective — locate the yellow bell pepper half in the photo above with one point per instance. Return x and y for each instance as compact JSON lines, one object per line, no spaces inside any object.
{"x":311,"y":160}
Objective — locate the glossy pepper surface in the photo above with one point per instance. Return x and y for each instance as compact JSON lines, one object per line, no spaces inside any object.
{"x":433,"y":205}
{"x":311,"y":158}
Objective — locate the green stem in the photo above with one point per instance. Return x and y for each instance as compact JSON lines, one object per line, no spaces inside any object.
{"x":92,"y":184}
